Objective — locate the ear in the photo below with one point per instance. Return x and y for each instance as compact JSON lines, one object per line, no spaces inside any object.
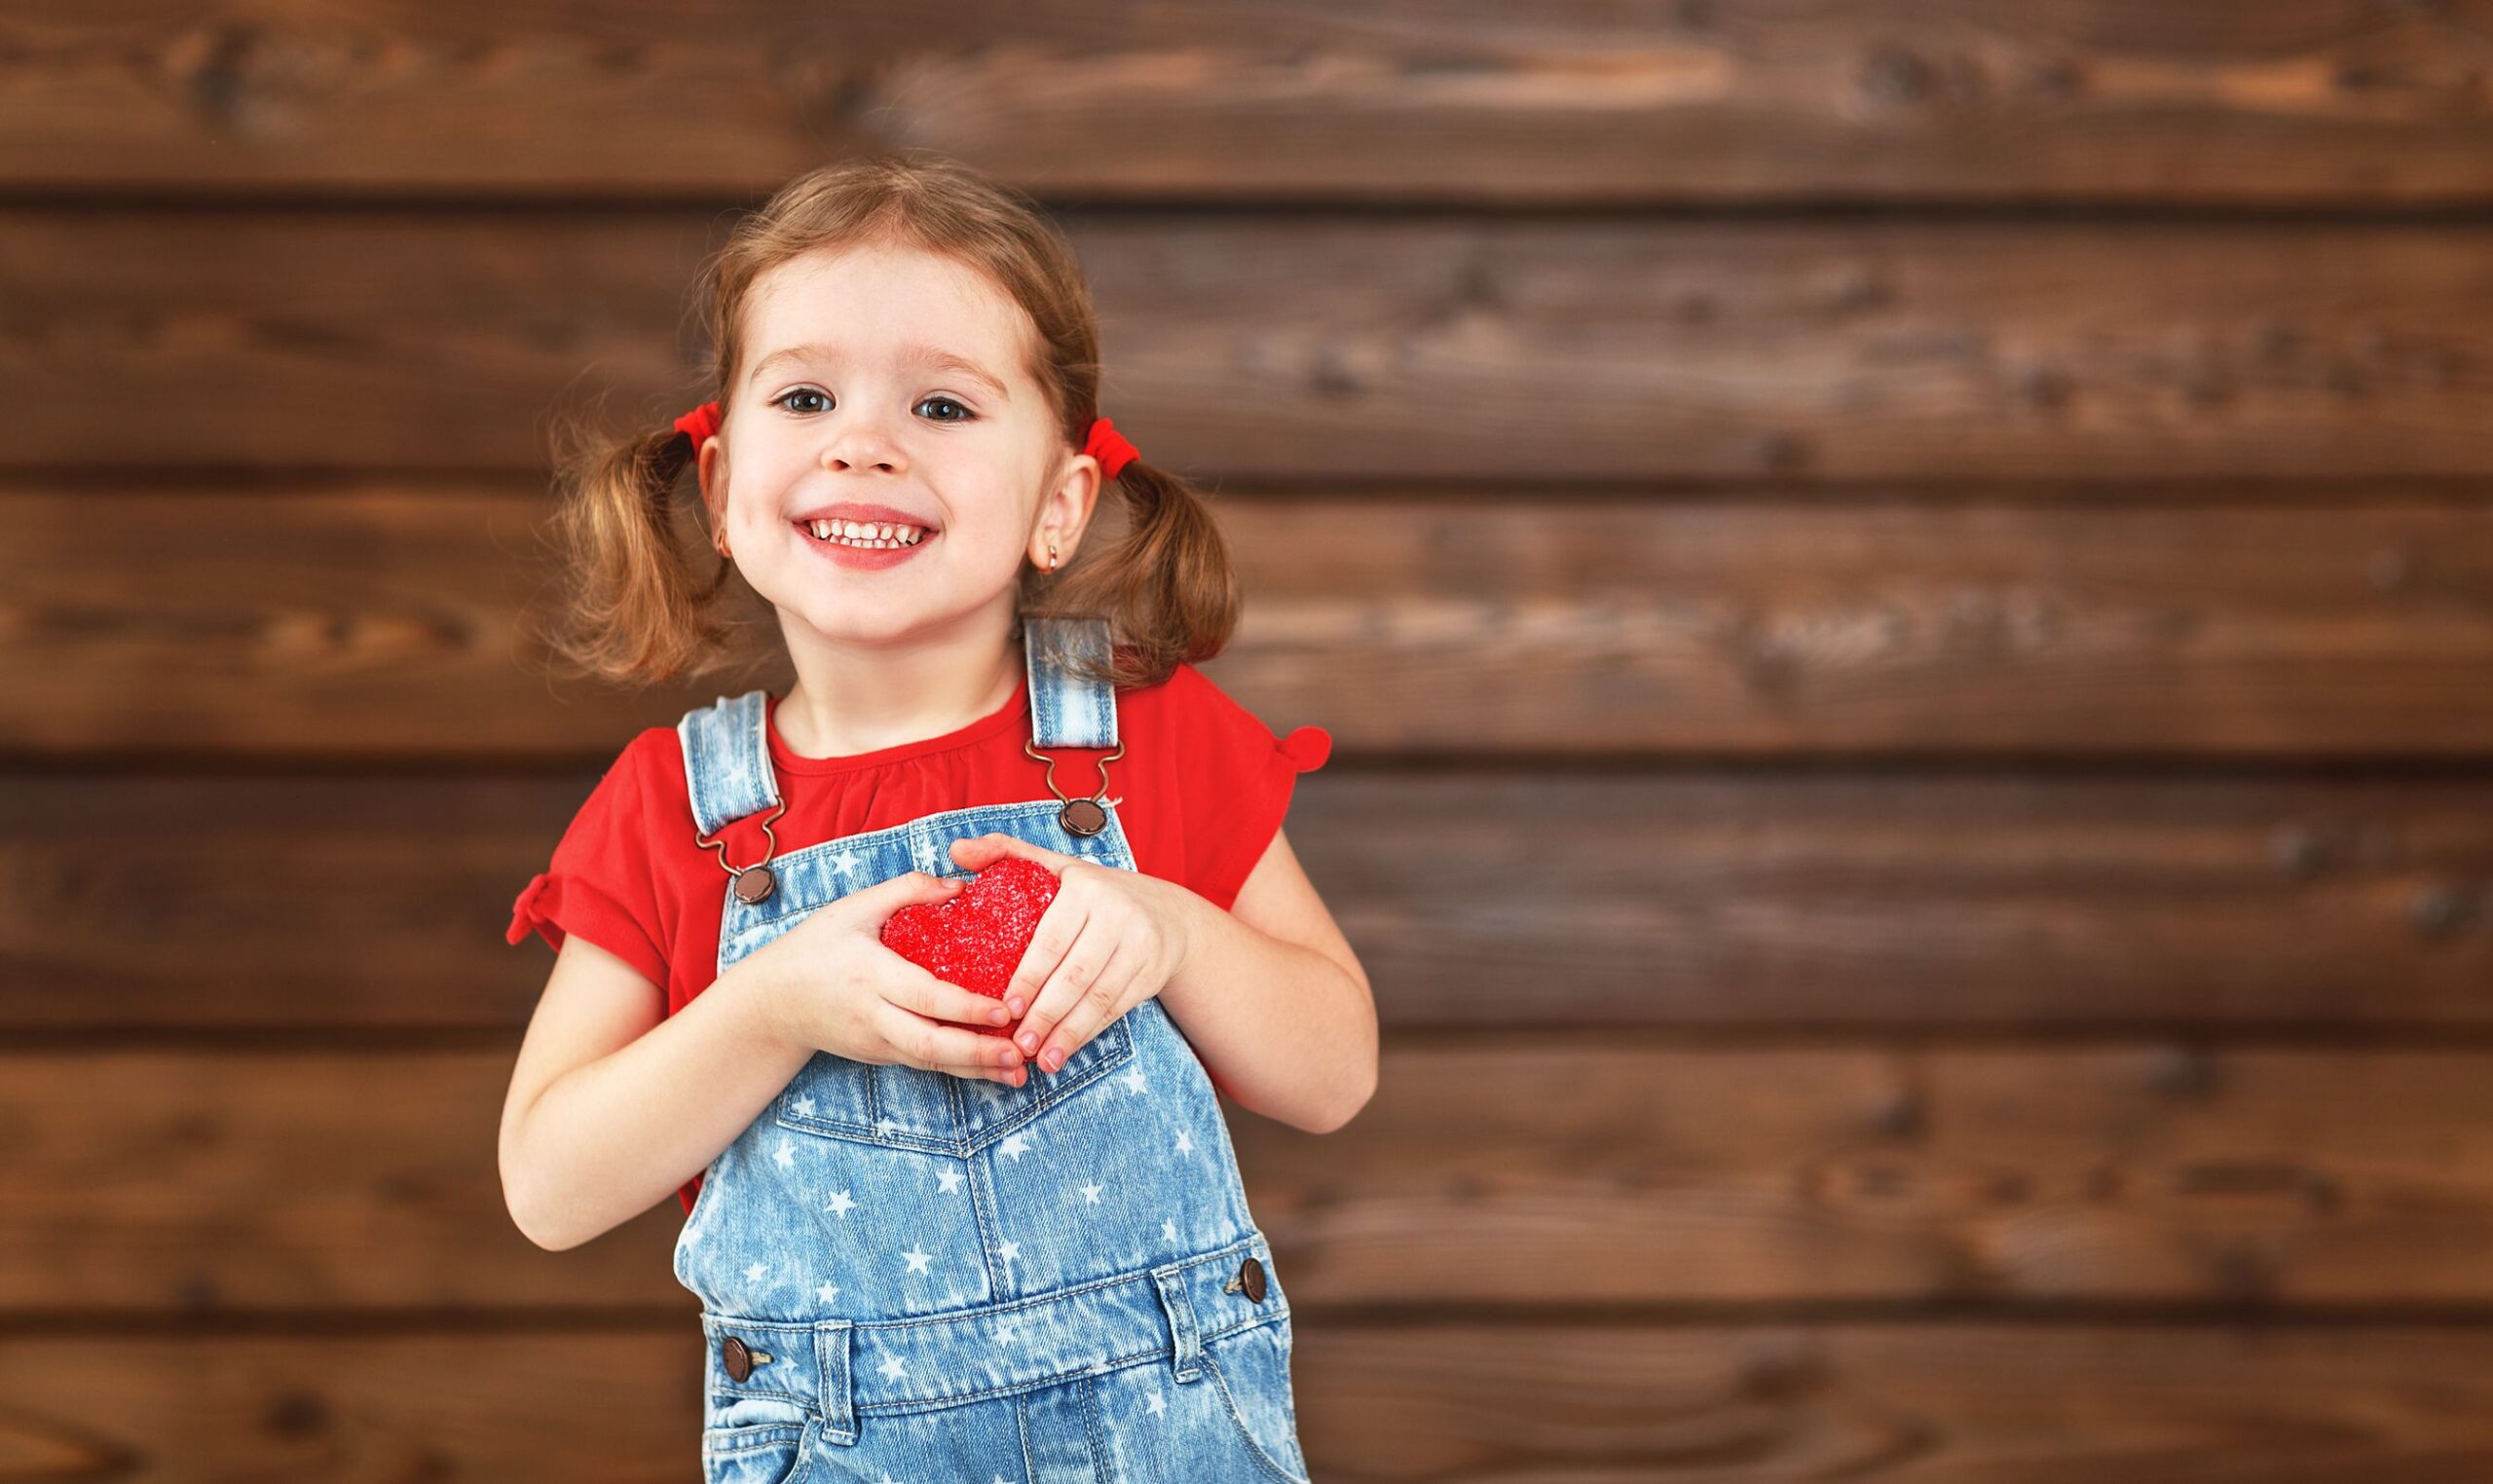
{"x":1066,"y":511}
{"x":710,"y":462}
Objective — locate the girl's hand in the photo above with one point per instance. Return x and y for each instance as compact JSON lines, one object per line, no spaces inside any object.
{"x":1111,"y":940}
{"x":833,"y":985}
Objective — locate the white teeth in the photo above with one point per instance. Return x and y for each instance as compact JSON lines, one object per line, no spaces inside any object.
{"x":872,"y":535}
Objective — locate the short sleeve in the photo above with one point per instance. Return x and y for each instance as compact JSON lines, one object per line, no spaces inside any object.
{"x":1242,"y":777}
{"x":600,"y":883}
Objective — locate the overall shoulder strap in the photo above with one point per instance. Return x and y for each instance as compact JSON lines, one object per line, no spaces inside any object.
{"x":1069,"y":710}
{"x":727,"y":761}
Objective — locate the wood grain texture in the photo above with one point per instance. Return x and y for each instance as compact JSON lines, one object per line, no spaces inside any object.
{"x":368,"y":623}
{"x":371,"y":905}
{"x":1311,"y":346}
{"x":1904,"y":588}
{"x":2225,"y":102}
{"x":1536,"y":1171}
{"x":2016,"y":1402}
{"x":1890,"y":1403}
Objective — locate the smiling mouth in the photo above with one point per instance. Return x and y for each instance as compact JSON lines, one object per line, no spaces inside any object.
{"x":865,"y":535}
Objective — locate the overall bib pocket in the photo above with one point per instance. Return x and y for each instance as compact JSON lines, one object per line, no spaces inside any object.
{"x":907,"y":1107}
{"x":1251,"y":1368}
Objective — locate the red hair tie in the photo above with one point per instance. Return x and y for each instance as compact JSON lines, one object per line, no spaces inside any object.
{"x":1108,"y":446}
{"x":1104,"y":443}
{"x":699,"y":424}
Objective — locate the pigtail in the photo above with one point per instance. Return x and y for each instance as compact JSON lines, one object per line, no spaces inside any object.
{"x":1166,"y":585}
{"x":634,"y":607}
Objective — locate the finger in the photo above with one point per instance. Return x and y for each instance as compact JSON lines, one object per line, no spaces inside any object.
{"x":979,"y":851}
{"x":915,"y":987}
{"x":1058,"y":926}
{"x":918,"y":1042}
{"x":886,"y":897}
{"x":1063,"y":986}
{"x":1094,"y":1008}
{"x":910,"y":885}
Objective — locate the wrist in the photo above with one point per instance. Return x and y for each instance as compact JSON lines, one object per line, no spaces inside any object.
{"x":761,"y":994}
{"x":1191,"y":925}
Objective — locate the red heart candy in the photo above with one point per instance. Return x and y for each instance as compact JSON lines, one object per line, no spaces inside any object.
{"x":976,"y":940}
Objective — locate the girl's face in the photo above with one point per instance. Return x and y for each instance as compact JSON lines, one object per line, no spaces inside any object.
{"x":891,"y":377}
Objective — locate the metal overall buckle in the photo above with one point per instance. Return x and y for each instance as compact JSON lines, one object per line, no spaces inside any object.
{"x":1085,"y":817}
{"x":752,"y":883}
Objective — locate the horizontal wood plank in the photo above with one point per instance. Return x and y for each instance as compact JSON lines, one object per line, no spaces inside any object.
{"x":1548,"y":1170}
{"x":1706,"y":900}
{"x":2014,"y":1403}
{"x":369,"y":623}
{"x":2221,"y":102}
{"x":1888,"y":1404}
{"x":1306,"y":348}
{"x":1538,"y":1170}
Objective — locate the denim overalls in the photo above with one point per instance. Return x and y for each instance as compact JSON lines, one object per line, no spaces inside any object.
{"x":913,"y":1277}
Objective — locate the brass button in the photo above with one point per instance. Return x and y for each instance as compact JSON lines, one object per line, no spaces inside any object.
{"x":752,"y":885}
{"x":1250,"y":1275}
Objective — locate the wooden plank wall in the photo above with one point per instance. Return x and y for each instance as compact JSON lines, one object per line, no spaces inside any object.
{"x":1905,"y":591}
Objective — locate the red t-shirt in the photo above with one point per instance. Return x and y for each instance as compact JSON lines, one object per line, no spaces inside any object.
{"x":1201,"y":791}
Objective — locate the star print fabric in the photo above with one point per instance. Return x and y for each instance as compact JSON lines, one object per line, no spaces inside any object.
{"x":962,"y":1279}
{"x":1128,"y":1424}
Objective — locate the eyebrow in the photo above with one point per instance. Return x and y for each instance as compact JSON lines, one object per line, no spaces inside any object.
{"x":917,"y":355}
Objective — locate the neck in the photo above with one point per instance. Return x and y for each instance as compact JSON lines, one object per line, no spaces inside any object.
{"x":858,"y":699}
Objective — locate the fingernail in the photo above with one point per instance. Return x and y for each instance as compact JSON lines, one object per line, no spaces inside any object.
{"x":1015,"y":1005}
{"x":1027,"y":1042}
{"x":998,"y":1016}
{"x":1056,"y":1059}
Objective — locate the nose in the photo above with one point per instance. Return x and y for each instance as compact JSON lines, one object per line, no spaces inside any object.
{"x":861,"y":445}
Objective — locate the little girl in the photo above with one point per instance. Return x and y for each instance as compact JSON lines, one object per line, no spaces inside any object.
{"x":920,"y":1258}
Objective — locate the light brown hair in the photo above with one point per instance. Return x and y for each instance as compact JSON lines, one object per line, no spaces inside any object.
{"x":630,"y":521}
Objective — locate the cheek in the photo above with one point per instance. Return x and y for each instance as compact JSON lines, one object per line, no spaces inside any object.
{"x":756,"y":526}
{"x":754,"y":505}
{"x":987,"y":545}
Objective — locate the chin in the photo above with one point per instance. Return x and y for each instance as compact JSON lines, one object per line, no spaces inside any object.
{"x":856,"y":618}
{"x":842,"y":620}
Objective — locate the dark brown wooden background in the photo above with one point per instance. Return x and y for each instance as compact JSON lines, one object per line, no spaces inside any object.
{"x":1905,"y":590}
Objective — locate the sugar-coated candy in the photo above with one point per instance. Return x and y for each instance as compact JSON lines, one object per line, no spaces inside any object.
{"x":975,"y":939}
